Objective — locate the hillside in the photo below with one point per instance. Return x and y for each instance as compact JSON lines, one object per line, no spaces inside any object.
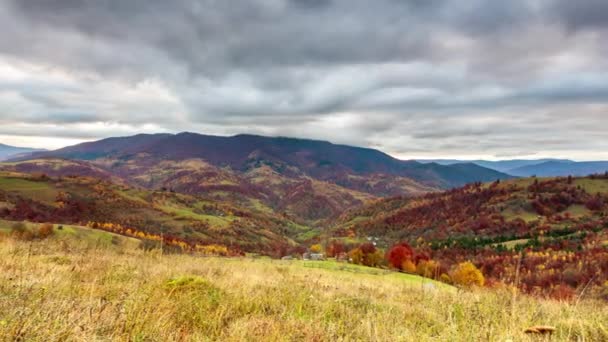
{"x":67,"y":288}
{"x":312,"y":181}
{"x":185,"y":221}
{"x":561,"y":219}
{"x":307,"y":200}
{"x":7,"y":152}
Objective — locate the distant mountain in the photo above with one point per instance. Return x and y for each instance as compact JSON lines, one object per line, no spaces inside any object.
{"x":318,"y":159}
{"x":7,"y":152}
{"x":558,"y":168}
{"x":309,"y":180}
{"x":499,"y":165}
{"x":535,"y":167}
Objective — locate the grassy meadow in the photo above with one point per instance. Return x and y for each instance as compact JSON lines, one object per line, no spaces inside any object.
{"x":76,"y":287}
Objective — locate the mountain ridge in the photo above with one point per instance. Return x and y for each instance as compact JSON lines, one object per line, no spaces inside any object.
{"x":8,"y":151}
{"x":545,"y":167}
{"x":312,"y":180}
{"x":238,"y":150}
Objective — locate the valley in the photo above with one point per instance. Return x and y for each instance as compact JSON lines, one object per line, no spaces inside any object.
{"x":383,"y":236}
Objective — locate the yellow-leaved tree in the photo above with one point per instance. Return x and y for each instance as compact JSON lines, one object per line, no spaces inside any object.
{"x":466,"y":274}
{"x":316,"y":248}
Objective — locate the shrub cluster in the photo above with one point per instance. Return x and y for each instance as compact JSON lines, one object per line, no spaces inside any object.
{"x":21,"y":231}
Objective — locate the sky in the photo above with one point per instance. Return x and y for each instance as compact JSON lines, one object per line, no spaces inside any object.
{"x":414,"y":78}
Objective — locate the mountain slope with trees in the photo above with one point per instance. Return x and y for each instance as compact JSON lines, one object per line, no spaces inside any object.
{"x":546,"y":236}
{"x":308,"y":179}
{"x":183,"y":221}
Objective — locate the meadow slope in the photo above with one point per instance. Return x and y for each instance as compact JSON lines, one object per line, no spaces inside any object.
{"x":72,"y":289}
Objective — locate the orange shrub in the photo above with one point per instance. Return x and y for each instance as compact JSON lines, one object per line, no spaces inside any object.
{"x":408,"y":266}
{"x":45,"y":230}
{"x":466,"y":274}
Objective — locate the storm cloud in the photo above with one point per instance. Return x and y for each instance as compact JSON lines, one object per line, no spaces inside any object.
{"x":417,"y":78}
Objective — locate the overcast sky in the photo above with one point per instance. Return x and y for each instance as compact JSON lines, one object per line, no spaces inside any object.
{"x":417,"y":78}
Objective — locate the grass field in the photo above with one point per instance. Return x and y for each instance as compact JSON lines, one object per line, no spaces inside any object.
{"x":593,"y":186}
{"x":40,"y":191}
{"x":92,"y":237}
{"x":67,"y":289}
{"x":511,"y":244}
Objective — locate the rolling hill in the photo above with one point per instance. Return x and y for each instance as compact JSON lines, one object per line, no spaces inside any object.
{"x":185,"y":221}
{"x":556,"y":224}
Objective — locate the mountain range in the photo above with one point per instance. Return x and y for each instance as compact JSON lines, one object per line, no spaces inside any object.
{"x":308,"y":180}
{"x":534,"y":167}
{"x":7,"y":152}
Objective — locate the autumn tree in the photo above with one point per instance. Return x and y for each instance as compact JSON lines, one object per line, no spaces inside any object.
{"x":466,"y":274}
{"x":334,"y":249}
{"x":317,"y":248}
{"x":399,"y":254}
{"x":367,"y":254}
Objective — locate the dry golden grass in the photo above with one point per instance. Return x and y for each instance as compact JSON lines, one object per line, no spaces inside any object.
{"x":65,"y":290}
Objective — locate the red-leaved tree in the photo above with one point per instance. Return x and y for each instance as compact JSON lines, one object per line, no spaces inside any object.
{"x":399,"y":254}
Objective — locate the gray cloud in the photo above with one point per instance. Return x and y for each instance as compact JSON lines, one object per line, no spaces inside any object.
{"x":435,"y":77}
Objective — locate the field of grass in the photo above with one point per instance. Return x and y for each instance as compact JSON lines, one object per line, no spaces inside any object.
{"x":511,"y":244}
{"x":181,"y":213}
{"x":52,"y":291}
{"x":578,"y":210}
{"x":40,"y":191}
{"x":593,"y":186}
{"x":514,"y":213}
{"x":83,"y":234}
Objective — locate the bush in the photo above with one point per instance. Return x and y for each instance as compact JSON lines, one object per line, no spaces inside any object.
{"x":408,"y":266}
{"x":427,"y":268}
{"x":444,"y":278}
{"x":562,"y":292}
{"x":466,"y":274}
{"x":45,"y":230}
{"x":316,"y":248}
{"x":20,"y":231}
